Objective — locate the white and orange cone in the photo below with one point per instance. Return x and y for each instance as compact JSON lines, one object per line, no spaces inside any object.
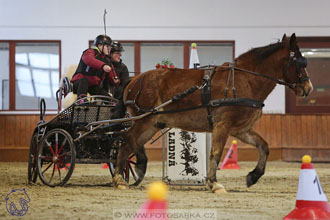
{"x":311,"y":202}
{"x":155,"y":208}
{"x":230,"y":161}
{"x":194,"y":60}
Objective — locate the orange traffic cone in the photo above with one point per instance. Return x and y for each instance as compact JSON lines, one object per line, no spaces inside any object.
{"x":311,"y":202}
{"x":230,"y":161}
{"x":105,"y":166}
{"x":62,"y":167}
{"x":155,"y":208}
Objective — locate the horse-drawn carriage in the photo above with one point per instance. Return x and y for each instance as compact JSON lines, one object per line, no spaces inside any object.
{"x":57,"y":145}
{"x":81,"y":133}
{"x":194,"y":100}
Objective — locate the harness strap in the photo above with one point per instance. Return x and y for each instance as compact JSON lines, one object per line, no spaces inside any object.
{"x":206,"y":92}
{"x":290,"y":85}
{"x":245,"y":102}
{"x":237,"y":102}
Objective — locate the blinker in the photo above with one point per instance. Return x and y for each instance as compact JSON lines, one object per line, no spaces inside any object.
{"x":301,"y":62}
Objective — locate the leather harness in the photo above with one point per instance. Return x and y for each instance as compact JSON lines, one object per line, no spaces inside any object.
{"x":206,"y":93}
{"x":205,"y":97}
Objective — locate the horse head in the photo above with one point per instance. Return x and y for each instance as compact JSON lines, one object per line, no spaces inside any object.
{"x":295,"y":72}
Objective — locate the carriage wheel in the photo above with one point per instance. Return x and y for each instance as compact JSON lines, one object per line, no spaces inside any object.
{"x":56,"y":157}
{"x":32,"y":164}
{"x":129,"y":173}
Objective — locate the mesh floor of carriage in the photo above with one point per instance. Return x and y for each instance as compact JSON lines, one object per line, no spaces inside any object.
{"x":84,"y":114}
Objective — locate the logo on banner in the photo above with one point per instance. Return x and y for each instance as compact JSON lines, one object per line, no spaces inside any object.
{"x":188,"y":153}
{"x":171,"y":149}
{"x":186,"y":156}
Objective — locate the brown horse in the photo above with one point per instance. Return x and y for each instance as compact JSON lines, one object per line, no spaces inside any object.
{"x":276,"y":63}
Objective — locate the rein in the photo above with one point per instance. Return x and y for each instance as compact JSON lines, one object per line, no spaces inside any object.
{"x":205,"y":88}
{"x":278,"y":81}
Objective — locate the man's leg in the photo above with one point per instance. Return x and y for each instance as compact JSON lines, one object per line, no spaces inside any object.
{"x":97,"y":90}
{"x":80,"y":87}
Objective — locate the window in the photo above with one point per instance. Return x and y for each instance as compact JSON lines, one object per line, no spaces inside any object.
{"x":4,"y":76}
{"x":317,"y":52}
{"x":214,"y":53}
{"x":37,"y":74}
{"x":34,"y":74}
{"x":153,"y":53}
{"x":141,"y":56}
{"x":128,"y":56}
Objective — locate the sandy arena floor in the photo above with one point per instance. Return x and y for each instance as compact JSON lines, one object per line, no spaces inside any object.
{"x":89,"y":193}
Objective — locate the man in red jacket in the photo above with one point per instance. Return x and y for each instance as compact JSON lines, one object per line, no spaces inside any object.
{"x":94,"y":67}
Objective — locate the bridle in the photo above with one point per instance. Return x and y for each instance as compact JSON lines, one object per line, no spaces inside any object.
{"x":299,"y":63}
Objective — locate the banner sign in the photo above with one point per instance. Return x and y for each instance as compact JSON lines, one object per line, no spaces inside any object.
{"x":186,"y":157}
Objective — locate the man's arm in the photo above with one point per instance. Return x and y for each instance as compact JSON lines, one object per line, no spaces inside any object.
{"x":90,"y":60}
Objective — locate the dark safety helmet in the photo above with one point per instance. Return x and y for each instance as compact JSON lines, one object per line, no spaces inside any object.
{"x":116,"y":46}
{"x":102,"y":39}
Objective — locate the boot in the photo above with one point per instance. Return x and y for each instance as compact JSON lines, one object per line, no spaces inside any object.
{"x":82,"y":99}
{"x":119,"y":110}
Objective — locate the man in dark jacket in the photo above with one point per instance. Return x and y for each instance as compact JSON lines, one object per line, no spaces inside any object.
{"x":94,"y":67}
{"x":120,"y":68}
{"x":122,"y":73}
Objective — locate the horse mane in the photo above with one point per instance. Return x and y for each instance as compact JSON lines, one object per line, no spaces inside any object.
{"x":261,"y":53}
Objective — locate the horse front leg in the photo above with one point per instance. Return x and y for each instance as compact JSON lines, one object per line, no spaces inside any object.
{"x":219,"y":138}
{"x":253,"y":138}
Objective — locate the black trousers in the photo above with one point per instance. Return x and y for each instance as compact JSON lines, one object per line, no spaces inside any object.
{"x":80,"y":87}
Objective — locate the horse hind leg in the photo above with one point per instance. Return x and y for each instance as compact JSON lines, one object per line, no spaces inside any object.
{"x":139,"y":169}
{"x":123,"y":153}
{"x":253,"y":138}
{"x":141,"y":164}
{"x":136,"y":137}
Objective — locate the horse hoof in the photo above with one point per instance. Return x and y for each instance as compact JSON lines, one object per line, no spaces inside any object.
{"x":249,"y":181}
{"x":119,"y":182}
{"x":218,"y":188}
{"x":122,"y":187}
{"x":220,"y":191}
{"x":253,"y":177}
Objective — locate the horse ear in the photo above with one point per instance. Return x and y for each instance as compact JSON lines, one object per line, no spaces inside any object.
{"x":284,"y":39}
{"x":293,"y":42}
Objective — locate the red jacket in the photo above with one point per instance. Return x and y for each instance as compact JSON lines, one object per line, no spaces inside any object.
{"x":91,"y":67}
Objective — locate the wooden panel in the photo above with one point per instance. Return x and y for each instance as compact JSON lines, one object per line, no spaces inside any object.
{"x":16,"y":130}
{"x":289,"y":137}
{"x":2,"y":131}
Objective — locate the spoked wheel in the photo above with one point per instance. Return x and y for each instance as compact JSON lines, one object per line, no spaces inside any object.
{"x":56,"y":157}
{"x":32,"y":164}
{"x":129,"y":174}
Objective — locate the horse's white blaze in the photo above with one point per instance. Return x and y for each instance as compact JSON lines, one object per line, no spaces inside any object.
{"x":309,"y":83}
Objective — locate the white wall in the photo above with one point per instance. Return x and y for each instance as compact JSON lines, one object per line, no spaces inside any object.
{"x":250,"y":23}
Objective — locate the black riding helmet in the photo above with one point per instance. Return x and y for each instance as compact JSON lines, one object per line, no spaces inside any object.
{"x":102,"y":39}
{"x":116,"y":46}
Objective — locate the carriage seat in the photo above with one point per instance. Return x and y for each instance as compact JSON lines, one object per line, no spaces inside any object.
{"x":71,"y":97}
{"x":67,"y":88}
